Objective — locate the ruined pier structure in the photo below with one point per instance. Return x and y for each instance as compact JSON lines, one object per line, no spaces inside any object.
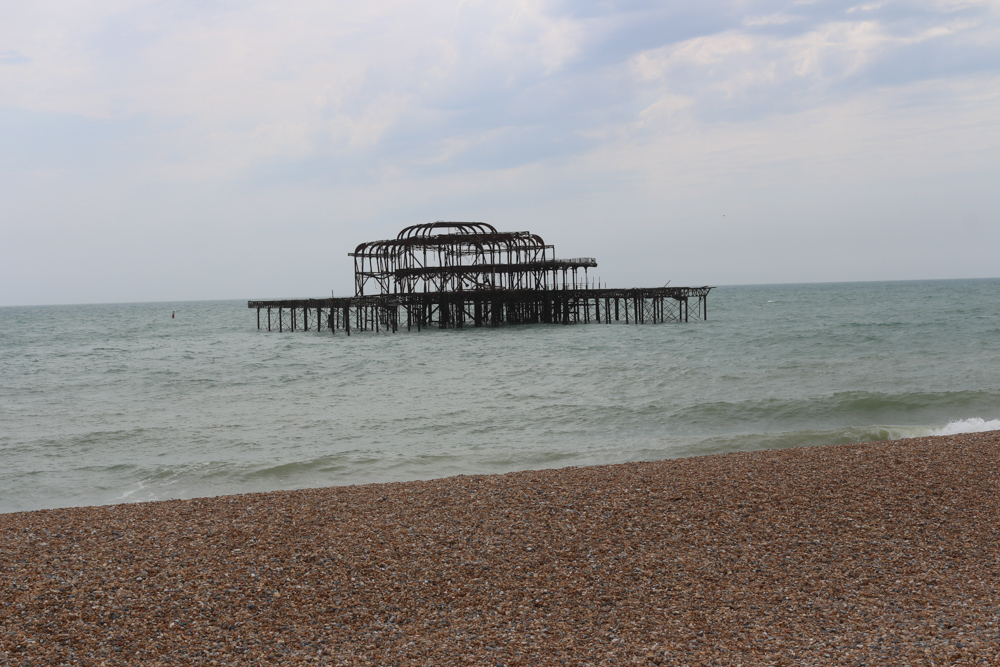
{"x":456,"y":274}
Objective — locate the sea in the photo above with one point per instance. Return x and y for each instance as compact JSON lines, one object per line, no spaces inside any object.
{"x":122,"y":403}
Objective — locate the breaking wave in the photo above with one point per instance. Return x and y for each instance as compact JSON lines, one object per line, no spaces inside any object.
{"x":972,"y":425}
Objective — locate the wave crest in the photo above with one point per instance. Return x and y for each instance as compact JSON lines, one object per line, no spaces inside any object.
{"x":971,"y":425}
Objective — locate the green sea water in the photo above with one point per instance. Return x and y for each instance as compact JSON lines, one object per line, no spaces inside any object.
{"x":120,"y":403}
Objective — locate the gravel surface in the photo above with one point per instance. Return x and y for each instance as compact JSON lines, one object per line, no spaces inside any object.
{"x":878,"y":553}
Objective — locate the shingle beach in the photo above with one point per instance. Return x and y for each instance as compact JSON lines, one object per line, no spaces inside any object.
{"x":877,"y":553}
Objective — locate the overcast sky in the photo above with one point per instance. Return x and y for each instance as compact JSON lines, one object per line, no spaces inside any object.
{"x":178,"y":150}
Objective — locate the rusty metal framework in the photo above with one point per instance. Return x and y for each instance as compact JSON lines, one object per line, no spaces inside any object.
{"x":457,"y":274}
{"x":462,"y":257}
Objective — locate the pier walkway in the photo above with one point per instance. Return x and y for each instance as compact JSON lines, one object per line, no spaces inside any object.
{"x":391,"y":312}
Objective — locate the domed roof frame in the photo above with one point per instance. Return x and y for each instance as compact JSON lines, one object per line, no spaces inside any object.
{"x":461,"y":256}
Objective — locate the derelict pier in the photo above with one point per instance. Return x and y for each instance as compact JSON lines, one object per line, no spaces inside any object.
{"x":458,"y":274}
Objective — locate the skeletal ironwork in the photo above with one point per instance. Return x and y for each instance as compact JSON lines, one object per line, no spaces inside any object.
{"x":460,"y":257}
{"x":456,"y":274}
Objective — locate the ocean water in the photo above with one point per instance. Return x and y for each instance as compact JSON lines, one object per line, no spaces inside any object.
{"x":120,"y":403}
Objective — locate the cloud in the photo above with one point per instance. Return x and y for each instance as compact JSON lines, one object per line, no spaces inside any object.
{"x":744,"y":73}
{"x":441,"y":83}
{"x":13,"y":58}
{"x":380,"y":110}
{"x":779,"y":18}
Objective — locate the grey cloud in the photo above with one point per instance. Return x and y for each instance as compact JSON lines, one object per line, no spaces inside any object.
{"x":492,"y":102}
{"x":510,"y":112}
{"x":33,"y":141}
{"x":13,"y":58}
{"x":939,"y":58}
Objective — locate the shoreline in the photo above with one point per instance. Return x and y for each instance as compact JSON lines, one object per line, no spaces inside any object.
{"x":874,"y":552}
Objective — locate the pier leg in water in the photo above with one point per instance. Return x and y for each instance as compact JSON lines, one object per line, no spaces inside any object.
{"x":446,"y":310}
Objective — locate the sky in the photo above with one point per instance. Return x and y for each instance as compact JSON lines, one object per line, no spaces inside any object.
{"x":214,"y":149}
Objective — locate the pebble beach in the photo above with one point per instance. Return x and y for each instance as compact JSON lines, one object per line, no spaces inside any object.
{"x":862,"y":554}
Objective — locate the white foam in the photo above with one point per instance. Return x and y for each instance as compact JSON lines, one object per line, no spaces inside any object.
{"x":972,"y":425}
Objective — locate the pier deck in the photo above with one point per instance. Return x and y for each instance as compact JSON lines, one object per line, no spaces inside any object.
{"x":391,"y":312}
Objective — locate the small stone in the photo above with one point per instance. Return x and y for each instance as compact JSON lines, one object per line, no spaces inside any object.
{"x":875,"y":553}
